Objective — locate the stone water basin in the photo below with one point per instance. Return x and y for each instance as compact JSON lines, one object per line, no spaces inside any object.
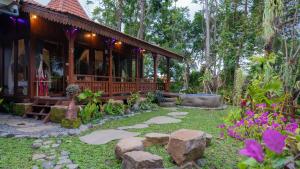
{"x":201,"y":100}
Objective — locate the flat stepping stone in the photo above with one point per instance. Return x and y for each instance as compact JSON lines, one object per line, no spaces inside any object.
{"x":127,"y":145}
{"x":156,"y":139}
{"x":137,"y":126}
{"x":178,"y":114}
{"x":35,"y":129}
{"x":104,"y":136}
{"x":141,"y":160}
{"x":162,"y":120}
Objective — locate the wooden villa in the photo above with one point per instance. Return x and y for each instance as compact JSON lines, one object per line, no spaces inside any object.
{"x":45,"y":48}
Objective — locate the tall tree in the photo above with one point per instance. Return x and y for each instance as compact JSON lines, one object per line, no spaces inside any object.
{"x":141,"y":31}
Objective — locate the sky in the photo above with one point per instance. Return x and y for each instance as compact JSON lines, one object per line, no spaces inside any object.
{"x":180,"y":3}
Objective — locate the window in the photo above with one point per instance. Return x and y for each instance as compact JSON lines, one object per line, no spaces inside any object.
{"x":22,"y":69}
{"x":82,"y":60}
{"x":98,"y":62}
{"x":8,"y":71}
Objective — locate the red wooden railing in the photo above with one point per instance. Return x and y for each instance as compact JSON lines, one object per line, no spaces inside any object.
{"x":119,"y":85}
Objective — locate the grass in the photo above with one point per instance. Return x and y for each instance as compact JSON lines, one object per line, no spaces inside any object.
{"x":221,"y":154}
{"x":15,"y":153}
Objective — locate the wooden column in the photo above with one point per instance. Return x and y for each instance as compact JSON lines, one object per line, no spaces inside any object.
{"x":110,"y":72}
{"x":137,"y":78}
{"x":154,"y":55}
{"x":71,"y":36}
{"x":1,"y":67}
{"x":142,"y":66}
{"x":32,"y":67}
{"x":168,"y":75}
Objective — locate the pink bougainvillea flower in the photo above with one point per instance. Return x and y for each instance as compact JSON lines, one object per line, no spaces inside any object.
{"x":261,"y":106}
{"x":275,"y":125}
{"x":249,"y":113}
{"x":240,"y":123}
{"x":292,"y":120}
{"x":253,"y":149}
{"x":283,"y":119}
{"x":221,"y":126}
{"x":274,"y":140}
{"x":273,"y":105}
{"x":275,"y":114}
{"x":291,"y":127}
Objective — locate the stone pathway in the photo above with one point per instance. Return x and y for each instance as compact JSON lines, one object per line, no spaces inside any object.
{"x":15,"y":126}
{"x":162,"y":120}
{"x":178,"y":114}
{"x":49,"y":155}
{"x":105,"y":136}
{"x":136,"y":126}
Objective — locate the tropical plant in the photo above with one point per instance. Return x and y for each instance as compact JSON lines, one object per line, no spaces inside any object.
{"x":266,"y":86}
{"x":91,"y":110}
{"x":88,"y":96}
{"x":134,"y":98}
{"x":114,"y":108}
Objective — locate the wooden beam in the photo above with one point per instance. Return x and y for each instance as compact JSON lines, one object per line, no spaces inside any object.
{"x":142,"y":66}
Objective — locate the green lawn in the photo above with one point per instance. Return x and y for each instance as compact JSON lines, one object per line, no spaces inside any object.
{"x":221,"y":154}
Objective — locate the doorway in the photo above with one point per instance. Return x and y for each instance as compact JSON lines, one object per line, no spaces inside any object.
{"x":50,"y":61}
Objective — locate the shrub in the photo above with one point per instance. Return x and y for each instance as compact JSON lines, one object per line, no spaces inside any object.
{"x":114,"y":108}
{"x":134,"y":98}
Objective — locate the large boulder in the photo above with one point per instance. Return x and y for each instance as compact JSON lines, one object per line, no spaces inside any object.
{"x":127,"y":145}
{"x":156,"y":138}
{"x":201,"y":100}
{"x":186,"y":145}
{"x":141,"y":160}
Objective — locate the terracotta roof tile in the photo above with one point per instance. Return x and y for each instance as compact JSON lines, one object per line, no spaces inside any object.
{"x":69,"y":6}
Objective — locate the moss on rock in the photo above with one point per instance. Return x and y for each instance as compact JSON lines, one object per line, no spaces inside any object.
{"x":20,"y":108}
{"x":71,"y":124}
{"x":57,"y":113}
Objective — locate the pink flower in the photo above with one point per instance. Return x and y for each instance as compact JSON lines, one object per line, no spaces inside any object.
{"x":221,"y":126}
{"x":292,"y":120}
{"x":253,"y":149}
{"x":261,"y":106}
{"x":249,"y":113}
{"x":283,"y":119}
{"x":274,"y":140}
{"x":275,"y":125}
{"x":292,"y":127}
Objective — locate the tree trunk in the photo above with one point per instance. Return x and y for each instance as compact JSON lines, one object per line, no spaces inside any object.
{"x":119,"y":14}
{"x":207,"y":43}
{"x":141,"y":31}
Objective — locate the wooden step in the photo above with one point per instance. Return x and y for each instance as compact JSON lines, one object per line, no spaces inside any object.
{"x":36,"y":114}
{"x":42,"y":106}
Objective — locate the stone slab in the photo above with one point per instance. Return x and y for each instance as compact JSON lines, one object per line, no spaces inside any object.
{"x":136,"y":126}
{"x":104,"y":136}
{"x":162,"y":120}
{"x":127,"y":145}
{"x":35,"y":129}
{"x":178,"y":114}
{"x":142,"y":160}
